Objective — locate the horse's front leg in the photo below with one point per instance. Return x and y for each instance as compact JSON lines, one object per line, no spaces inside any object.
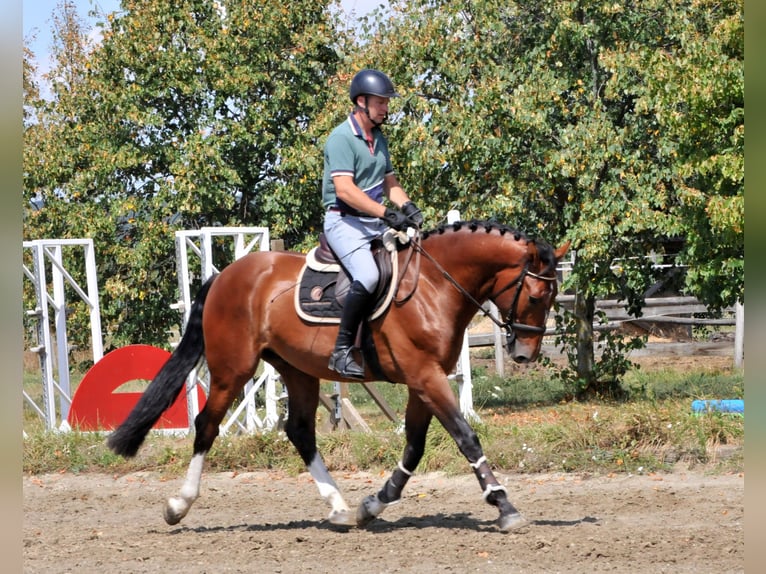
{"x":494,"y":493}
{"x":437,"y":396}
{"x":416,"y":422}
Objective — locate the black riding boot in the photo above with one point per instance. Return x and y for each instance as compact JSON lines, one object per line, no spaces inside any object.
{"x":355,"y":308}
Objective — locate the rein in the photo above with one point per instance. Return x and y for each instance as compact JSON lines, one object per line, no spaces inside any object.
{"x":415,"y":243}
{"x":510,"y":324}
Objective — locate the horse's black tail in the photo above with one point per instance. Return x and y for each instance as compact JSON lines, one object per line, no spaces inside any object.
{"x":166,"y":386}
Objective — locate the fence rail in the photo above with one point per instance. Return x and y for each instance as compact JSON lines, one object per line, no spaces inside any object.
{"x":657,"y":310}
{"x":676,"y":311}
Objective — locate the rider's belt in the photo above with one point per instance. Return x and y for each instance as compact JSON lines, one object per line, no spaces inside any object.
{"x":345,"y":212}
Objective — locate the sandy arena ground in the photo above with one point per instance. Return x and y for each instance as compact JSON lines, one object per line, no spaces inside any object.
{"x":265,"y":522}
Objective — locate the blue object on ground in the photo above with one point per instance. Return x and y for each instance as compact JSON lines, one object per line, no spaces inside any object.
{"x":721,"y":406}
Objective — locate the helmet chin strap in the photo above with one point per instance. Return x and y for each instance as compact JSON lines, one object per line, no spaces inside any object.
{"x":366,"y":111}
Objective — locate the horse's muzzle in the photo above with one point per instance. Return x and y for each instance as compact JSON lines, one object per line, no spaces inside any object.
{"x":522,"y":353}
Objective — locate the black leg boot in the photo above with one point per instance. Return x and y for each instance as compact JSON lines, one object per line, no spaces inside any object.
{"x":354,"y":310}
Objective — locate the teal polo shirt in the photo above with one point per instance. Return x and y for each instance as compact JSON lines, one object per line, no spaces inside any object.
{"x":346,"y":152}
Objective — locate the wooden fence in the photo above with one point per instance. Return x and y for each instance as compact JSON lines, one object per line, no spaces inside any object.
{"x":669,"y":319}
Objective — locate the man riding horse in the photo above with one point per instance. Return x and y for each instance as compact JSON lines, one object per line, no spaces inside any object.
{"x":357,"y":176}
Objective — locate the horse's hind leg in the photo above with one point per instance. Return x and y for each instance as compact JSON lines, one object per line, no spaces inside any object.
{"x":206,"y":426}
{"x":416,"y":422}
{"x":302,"y":403}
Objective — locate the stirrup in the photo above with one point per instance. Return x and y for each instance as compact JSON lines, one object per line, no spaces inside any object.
{"x":342,"y":362}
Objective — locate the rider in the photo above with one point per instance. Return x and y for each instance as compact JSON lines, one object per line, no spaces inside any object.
{"x":357,"y":175}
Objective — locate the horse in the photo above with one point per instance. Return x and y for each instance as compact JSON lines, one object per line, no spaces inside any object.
{"x":246,"y":313}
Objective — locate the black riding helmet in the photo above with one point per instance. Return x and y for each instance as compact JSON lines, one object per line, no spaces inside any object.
{"x":371,"y":82}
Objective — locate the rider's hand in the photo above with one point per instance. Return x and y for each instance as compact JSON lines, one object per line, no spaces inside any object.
{"x":396,"y":219}
{"x":413,"y":213}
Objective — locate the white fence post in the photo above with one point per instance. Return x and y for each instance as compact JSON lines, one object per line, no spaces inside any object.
{"x":499,"y":342}
{"x":464,"y":381}
{"x":739,"y":335}
{"x":200,"y":243}
{"x":50,"y":252}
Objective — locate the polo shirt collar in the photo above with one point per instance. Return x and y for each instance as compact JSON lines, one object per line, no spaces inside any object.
{"x":357,"y":129}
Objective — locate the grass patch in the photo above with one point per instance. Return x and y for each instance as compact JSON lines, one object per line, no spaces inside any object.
{"x":46,"y":451}
{"x":525,"y":427}
{"x":667,"y":383}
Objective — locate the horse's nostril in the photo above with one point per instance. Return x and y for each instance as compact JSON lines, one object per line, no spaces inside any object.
{"x":521,"y":359}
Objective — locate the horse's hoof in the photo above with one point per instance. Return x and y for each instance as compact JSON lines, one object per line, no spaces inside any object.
{"x":175,"y":510}
{"x":342,"y":518}
{"x":366,"y":511}
{"x":511,"y":522}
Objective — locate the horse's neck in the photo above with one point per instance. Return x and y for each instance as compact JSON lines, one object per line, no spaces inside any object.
{"x":466,"y":265}
{"x":474,"y":259}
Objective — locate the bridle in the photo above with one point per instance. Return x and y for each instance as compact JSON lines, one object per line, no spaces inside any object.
{"x":510,"y":325}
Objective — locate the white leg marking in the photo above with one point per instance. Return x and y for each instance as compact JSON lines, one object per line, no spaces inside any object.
{"x":326,"y":485}
{"x":178,"y":506}
{"x":190,"y":489}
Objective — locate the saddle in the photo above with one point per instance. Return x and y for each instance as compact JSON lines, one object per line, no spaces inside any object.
{"x":323,"y":282}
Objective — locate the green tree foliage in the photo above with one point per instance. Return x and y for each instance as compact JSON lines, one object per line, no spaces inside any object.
{"x":50,"y":130}
{"x":697,"y":97}
{"x":187,"y":114}
{"x":615,"y":125}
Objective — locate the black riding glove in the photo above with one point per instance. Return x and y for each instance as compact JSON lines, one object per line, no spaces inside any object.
{"x":396,"y":219}
{"x":413,"y":213}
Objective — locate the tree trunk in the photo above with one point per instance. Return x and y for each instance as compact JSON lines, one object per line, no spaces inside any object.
{"x":584,"y":310}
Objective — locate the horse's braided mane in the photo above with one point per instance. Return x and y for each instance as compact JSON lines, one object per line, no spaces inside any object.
{"x":473,"y":226}
{"x":544,"y":249}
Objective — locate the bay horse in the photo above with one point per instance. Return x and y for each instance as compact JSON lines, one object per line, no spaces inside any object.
{"x":246,"y":313}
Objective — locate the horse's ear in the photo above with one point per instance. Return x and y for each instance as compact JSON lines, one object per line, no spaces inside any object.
{"x":561,"y":251}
